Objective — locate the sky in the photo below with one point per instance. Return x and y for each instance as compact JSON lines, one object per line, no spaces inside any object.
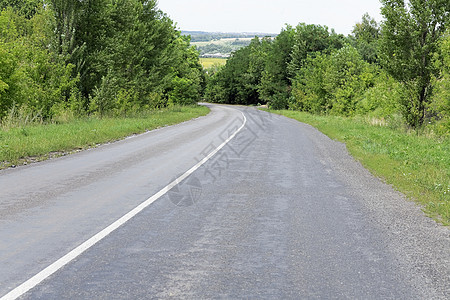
{"x":267,"y":16}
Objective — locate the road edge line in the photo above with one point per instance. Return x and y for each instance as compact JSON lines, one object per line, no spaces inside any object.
{"x":54,"y":267}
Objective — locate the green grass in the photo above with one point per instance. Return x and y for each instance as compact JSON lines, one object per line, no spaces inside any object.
{"x":38,"y":142}
{"x":208,"y":62}
{"x":418,"y":166}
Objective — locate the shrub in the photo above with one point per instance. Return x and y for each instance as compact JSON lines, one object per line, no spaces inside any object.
{"x":382,"y":100}
{"x":184,"y":91}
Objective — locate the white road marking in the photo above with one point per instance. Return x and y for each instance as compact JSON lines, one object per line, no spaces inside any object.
{"x":42,"y":275}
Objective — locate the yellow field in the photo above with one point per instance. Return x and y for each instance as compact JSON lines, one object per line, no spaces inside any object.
{"x":208,"y":62}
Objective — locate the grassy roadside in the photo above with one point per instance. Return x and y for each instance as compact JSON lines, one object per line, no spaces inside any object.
{"x":417,"y":166}
{"x":39,"y":142}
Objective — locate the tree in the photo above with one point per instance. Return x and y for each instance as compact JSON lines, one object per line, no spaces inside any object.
{"x":366,"y":35}
{"x":31,"y":76}
{"x":441,"y":99}
{"x":67,"y":18}
{"x":187,"y":73}
{"x":130,"y":45}
{"x":239,"y":80}
{"x":332,"y":83}
{"x":410,"y":36}
{"x":93,"y":28}
{"x":347,"y":77}
{"x":310,"y":39}
{"x":308,"y":90}
{"x":233,"y":79}
{"x":26,"y":8}
{"x":275,"y":82}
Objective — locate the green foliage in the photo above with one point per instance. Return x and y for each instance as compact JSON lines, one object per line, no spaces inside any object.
{"x":347,"y":78}
{"x":103,"y":100}
{"x":308,"y":91}
{"x":311,"y":39}
{"x":184,"y":91}
{"x":440,"y":104}
{"x":70,"y":57}
{"x":263,"y":72}
{"x":26,"y":8}
{"x":333,"y":83}
{"x":213,"y":92}
{"x":365,"y":37}
{"x":30,"y":75}
{"x":239,"y":80}
{"x":383,"y":99}
{"x":409,"y":41}
{"x":275,"y":78}
{"x":441,"y":101}
{"x":398,"y":68}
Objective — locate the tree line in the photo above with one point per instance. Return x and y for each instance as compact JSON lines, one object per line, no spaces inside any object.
{"x":399,"y":67}
{"x":98,"y":57}
{"x":202,"y":36}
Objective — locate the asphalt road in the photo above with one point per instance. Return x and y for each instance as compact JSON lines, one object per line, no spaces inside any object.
{"x":281,"y":211}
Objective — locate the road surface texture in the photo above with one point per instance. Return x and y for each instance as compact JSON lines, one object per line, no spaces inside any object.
{"x":280,"y":212}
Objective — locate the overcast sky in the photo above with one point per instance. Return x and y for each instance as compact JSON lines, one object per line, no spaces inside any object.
{"x":267,"y":16}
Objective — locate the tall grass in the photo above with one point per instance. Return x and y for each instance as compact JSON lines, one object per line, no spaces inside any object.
{"x":20,"y":117}
{"x":23,"y":140}
{"x":418,"y":165}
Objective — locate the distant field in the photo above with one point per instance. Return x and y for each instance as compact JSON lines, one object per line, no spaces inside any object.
{"x":209,"y":62}
{"x":222,"y":43}
{"x":225,"y":41}
{"x":223,"y":46}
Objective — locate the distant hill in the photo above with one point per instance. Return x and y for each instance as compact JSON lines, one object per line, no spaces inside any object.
{"x":222,"y":44}
{"x":204,"y":36}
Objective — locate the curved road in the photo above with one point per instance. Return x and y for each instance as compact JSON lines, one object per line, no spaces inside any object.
{"x":281,"y":211}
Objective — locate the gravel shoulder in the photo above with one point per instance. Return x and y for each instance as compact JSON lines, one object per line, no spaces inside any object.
{"x":421,"y":244}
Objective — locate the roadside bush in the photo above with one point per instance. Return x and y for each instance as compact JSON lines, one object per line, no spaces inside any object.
{"x":441,"y":100}
{"x":103,"y":100}
{"x":184,"y":92}
{"x":30,"y":75}
{"x":333,"y":83}
{"x":279,"y":100}
{"x":308,"y":88}
{"x":347,"y":77}
{"x":126,"y":102}
{"x":155,"y":100}
{"x":441,"y":128}
{"x":382,"y":100}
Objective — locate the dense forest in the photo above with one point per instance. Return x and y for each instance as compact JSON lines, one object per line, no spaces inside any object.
{"x":92,"y":57}
{"x":398,"y":70}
